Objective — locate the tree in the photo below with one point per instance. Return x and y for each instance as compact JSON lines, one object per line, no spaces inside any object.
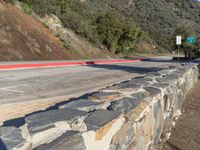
{"x":131,"y":35}
{"x":63,"y":6}
{"x":197,"y":48}
{"x":185,"y":31}
{"x":110,"y":28}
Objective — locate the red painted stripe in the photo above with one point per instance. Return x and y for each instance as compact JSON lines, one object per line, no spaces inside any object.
{"x":60,"y":64}
{"x":115,"y":61}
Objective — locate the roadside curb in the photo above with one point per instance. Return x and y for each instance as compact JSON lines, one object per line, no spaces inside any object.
{"x":63,"y":64}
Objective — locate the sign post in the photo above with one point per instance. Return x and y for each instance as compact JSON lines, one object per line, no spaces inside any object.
{"x":178,"y":43}
{"x":191,"y":40}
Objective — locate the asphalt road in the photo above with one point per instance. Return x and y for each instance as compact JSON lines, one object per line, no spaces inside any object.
{"x":28,"y":90}
{"x":48,"y":83}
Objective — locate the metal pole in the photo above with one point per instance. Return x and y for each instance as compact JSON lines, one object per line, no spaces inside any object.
{"x":178,"y":51}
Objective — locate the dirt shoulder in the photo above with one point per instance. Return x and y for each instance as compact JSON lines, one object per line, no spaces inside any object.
{"x":186,"y":133}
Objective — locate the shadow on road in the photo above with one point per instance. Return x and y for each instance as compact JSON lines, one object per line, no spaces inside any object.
{"x":18,"y":122}
{"x":131,"y":69}
{"x":161,"y":60}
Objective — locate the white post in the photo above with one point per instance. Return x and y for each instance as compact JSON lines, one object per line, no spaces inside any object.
{"x":178,"y":42}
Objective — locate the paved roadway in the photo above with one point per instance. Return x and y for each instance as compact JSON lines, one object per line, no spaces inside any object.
{"x":24,"y":91}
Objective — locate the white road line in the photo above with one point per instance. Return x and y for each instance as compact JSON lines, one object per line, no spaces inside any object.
{"x":10,"y":88}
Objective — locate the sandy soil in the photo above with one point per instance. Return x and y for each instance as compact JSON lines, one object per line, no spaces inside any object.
{"x":186,"y":133}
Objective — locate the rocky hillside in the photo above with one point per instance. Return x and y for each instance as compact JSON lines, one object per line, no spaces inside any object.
{"x":24,"y":38}
{"x":83,"y":29}
{"x":158,"y":19}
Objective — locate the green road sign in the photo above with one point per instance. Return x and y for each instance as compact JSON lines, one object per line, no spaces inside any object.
{"x":191,"y":40}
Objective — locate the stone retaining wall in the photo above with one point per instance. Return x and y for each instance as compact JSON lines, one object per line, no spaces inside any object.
{"x":133,"y":115}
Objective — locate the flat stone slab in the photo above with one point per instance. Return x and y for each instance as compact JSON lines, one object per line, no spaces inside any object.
{"x":124,"y":85}
{"x":124,"y":105}
{"x":100,"y":118}
{"x":71,"y":140}
{"x":167,"y":79}
{"x":141,"y":80}
{"x":105,"y":96}
{"x":160,"y":85}
{"x":81,"y":104}
{"x":45,"y":120}
{"x":139,"y":95}
{"x":153,"y":75}
{"x":164,"y":72}
{"x":186,"y":66}
{"x":11,"y":138}
{"x":152,"y":91}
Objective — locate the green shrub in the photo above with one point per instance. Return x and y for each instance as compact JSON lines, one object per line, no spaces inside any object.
{"x":27,"y":8}
{"x":110,"y":28}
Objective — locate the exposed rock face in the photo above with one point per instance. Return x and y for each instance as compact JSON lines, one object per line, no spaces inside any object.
{"x":77,"y":44}
{"x":135,"y":114}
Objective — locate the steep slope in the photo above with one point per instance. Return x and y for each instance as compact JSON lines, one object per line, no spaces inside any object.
{"x":24,"y":38}
{"x":158,"y":18}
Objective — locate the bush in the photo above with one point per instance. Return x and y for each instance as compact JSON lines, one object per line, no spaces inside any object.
{"x":27,"y":8}
{"x":130,"y":37}
{"x":196,"y":50}
{"x":110,"y":28}
{"x":189,"y":50}
{"x":118,"y":35}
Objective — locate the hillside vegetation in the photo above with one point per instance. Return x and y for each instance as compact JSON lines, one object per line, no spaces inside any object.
{"x":106,"y":28}
{"x":24,"y":38}
{"x":85,"y":29}
{"x":121,"y":24}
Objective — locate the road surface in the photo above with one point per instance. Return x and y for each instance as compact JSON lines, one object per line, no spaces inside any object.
{"x":28,"y":90}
